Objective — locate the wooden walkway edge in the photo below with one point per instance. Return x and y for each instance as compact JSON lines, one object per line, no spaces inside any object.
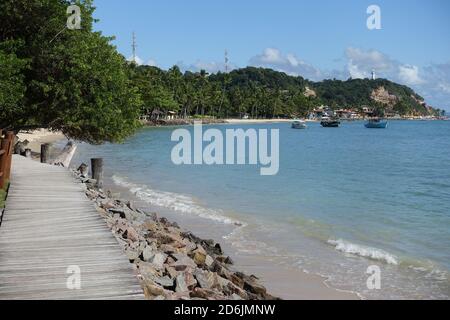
{"x":48,"y":226}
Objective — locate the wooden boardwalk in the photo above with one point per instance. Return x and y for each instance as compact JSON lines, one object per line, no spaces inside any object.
{"x":50,"y":225}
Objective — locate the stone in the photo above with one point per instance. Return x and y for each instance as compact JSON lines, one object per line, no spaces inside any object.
{"x":148,"y":269}
{"x":171,"y":272}
{"x":132,"y":254}
{"x":207,"y":294}
{"x":209,"y":261}
{"x":255,"y":288}
{"x":236,"y":280}
{"x":191,"y":282}
{"x":131,"y":234}
{"x":167,"y":248}
{"x":224,"y":259}
{"x":152,"y":289}
{"x":147,"y":253}
{"x":205,"y":279}
{"x":199,"y":258}
{"x":159,"y":259}
{"x":181,"y":285}
{"x":182,"y":262}
{"x":165,"y":281}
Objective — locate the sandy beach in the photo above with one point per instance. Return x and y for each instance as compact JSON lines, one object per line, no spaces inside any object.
{"x":250,"y":121}
{"x":38,"y":137}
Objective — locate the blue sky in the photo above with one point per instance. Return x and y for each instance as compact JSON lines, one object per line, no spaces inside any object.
{"x":316,"y":39}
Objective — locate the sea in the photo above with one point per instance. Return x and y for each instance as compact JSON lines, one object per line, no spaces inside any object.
{"x":345,"y":202}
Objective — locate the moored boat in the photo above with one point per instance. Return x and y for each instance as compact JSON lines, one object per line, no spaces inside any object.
{"x":330,"y":123}
{"x":376,"y":124}
{"x":299,"y":124}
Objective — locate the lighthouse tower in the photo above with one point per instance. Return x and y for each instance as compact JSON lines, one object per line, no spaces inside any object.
{"x":373,"y":75}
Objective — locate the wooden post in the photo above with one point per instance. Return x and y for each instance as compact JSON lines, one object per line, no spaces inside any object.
{"x":45,"y":149}
{"x":97,"y":171}
{"x":10,"y":146}
{"x":2,"y":160}
{"x":5,"y":157}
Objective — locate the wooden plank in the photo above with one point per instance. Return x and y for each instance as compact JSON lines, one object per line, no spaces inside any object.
{"x":50,"y":225}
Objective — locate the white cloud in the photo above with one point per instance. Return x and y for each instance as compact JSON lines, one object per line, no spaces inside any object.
{"x":410,"y":75}
{"x":288,"y":63}
{"x":360,"y":63}
{"x":138,"y":61}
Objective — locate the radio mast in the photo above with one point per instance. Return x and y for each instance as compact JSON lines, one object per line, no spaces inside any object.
{"x":134,"y":46}
{"x":226,"y":61}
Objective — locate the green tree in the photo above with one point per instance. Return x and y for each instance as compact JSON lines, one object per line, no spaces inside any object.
{"x":76,"y":82}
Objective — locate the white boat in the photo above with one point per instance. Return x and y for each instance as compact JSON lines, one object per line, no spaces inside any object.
{"x":299,"y":124}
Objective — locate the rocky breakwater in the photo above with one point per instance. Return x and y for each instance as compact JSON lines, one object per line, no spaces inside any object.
{"x":171,"y":263}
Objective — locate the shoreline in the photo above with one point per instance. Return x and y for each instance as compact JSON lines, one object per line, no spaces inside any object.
{"x":277,"y":282}
{"x":308,"y":286}
{"x":286,"y":282}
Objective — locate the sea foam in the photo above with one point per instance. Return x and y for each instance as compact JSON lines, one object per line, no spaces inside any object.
{"x":173,"y":201}
{"x":363,"y":251}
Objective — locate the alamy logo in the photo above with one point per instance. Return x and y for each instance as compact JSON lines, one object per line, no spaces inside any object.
{"x":74,"y":280}
{"x":374,"y":20}
{"x":239,"y":146}
{"x":374,"y":281}
{"x":74,"y":20}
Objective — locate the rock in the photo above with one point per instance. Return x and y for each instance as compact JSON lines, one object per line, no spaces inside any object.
{"x":218,"y":249}
{"x":255,"y":288}
{"x":207,"y":294}
{"x":165,"y":281}
{"x":182,"y":262}
{"x":191,"y":282}
{"x":205,"y":279}
{"x":148,"y":269}
{"x":224,"y":259}
{"x":152,"y":289}
{"x":132,"y":254}
{"x":159,"y":259}
{"x":199,"y":258}
{"x":149,"y":225}
{"x":234,"y":296}
{"x":83,"y":169}
{"x":236,"y":280}
{"x":147,"y":253}
{"x":171,"y":272}
{"x":131,"y":234}
{"x":181,"y":285}
{"x":167,"y":248}
{"x":209,"y":261}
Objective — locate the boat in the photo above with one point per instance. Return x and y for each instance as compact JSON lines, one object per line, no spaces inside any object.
{"x":299,"y":124}
{"x":376,"y":123}
{"x":328,"y":122}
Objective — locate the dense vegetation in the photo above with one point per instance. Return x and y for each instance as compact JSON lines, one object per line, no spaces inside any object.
{"x":76,"y":81}
{"x":262,"y":93}
{"x":69,"y":80}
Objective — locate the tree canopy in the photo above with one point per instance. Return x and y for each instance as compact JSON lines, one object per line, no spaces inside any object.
{"x":74,"y":80}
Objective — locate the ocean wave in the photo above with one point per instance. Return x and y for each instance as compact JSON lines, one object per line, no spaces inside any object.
{"x":173,"y":201}
{"x":363,"y":251}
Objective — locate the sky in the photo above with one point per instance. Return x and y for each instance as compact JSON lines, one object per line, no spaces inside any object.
{"x":318,"y":39}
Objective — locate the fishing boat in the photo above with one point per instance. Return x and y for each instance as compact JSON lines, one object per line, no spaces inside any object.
{"x":376,"y":123}
{"x":328,"y":122}
{"x":299,"y":124}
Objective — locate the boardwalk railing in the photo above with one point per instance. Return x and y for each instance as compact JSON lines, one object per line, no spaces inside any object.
{"x":6,"y":150}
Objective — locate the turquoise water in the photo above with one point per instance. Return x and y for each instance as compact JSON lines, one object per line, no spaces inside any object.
{"x":343,"y":199}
